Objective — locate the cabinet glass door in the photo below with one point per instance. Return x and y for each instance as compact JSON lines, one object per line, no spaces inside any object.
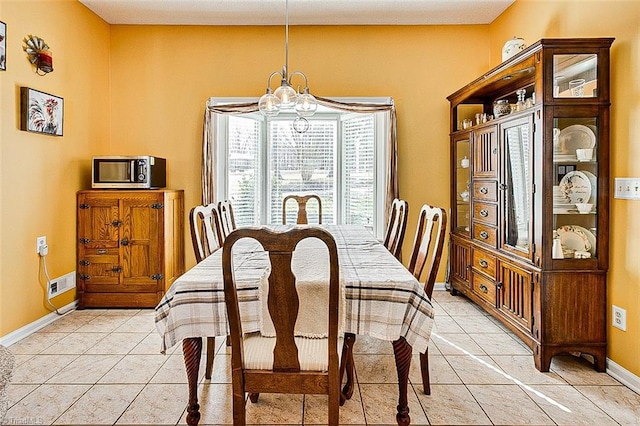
{"x":575,"y":201}
{"x":516,"y":185}
{"x":463,"y":183}
{"x":575,"y":76}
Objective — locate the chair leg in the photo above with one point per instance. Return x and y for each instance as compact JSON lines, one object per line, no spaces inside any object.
{"x":211,"y":346}
{"x":334,"y":408}
{"x":424,"y":369}
{"x":253,"y":397}
{"x":239,"y":409}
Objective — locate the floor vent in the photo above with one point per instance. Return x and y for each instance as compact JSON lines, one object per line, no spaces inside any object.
{"x":61,"y":284}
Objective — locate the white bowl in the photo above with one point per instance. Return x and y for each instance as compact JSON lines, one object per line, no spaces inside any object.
{"x":584,"y":208}
{"x":584,"y":154}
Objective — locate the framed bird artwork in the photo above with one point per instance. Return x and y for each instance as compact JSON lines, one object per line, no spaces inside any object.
{"x":41,"y":112}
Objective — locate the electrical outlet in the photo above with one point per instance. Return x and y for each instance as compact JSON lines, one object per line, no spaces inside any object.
{"x":627,"y":188}
{"x":40,"y":242}
{"x":619,"y":317}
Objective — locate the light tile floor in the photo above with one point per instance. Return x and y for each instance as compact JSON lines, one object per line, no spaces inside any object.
{"x":95,"y":367}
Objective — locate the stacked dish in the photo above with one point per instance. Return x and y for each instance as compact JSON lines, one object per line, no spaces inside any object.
{"x":561,"y":202}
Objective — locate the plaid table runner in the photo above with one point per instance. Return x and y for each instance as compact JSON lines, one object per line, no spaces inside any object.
{"x":382,"y":299}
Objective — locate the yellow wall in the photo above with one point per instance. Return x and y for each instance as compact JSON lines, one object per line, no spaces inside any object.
{"x":159,"y":92}
{"x":40,"y":174}
{"x":142,"y":89}
{"x":535,"y":19}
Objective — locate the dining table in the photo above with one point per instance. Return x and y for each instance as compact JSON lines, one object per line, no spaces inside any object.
{"x":380,"y":299}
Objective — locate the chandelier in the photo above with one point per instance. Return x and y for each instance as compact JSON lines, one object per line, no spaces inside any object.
{"x":286,"y":97}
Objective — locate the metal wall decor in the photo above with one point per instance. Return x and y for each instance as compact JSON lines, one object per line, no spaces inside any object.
{"x":38,"y":54}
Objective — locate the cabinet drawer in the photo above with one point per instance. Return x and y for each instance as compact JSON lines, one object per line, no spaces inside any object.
{"x":484,"y":262}
{"x":485,"y":190}
{"x":486,"y":213}
{"x":486,"y":234}
{"x":485,"y":288}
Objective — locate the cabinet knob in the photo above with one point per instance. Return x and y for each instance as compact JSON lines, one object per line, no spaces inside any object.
{"x":116,"y":223}
{"x":84,"y":263}
{"x":484,"y":288}
{"x":84,"y":240}
{"x":484,"y":263}
{"x":484,"y":234}
{"x":484,"y":190}
{"x":484,"y":212}
{"x":494,"y":151}
{"x":116,"y":269}
{"x":503,"y":186}
{"x":499,"y":285}
{"x":124,"y":241}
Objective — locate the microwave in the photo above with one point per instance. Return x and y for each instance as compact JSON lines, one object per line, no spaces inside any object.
{"x":128,"y":172}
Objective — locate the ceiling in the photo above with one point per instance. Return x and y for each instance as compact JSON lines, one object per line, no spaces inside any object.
{"x":301,"y":12}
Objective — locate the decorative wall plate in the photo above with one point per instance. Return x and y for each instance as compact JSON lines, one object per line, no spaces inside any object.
{"x":575,"y":137}
{"x":576,"y":186}
{"x":594,"y":185}
{"x":574,"y":238}
{"x":590,"y":237}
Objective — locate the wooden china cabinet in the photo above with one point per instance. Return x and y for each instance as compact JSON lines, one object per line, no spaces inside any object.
{"x":530,"y":195}
{"x":130,"y":246}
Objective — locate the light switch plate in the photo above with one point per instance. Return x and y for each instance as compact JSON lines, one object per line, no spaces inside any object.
{"x":627,"y":188}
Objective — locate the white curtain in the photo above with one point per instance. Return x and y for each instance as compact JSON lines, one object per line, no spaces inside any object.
{"x":208,"y":141}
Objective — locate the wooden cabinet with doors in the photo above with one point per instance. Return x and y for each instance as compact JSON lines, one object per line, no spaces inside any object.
{"x":529,"y":238}
{"x":130,"y":246}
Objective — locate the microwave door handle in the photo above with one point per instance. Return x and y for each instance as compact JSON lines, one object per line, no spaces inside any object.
{"x":132,"y":171}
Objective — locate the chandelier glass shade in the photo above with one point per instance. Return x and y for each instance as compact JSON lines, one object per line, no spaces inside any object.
{"x":286,"y":97}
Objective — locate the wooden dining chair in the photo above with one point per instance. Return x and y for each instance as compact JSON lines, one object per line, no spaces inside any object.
{"x":227,"y":220}
{"x":282,"y":364}
{"x":427,"y":251}
{"x":206,"y":237}
{"x":302,"y":208}
{"x":396,"y":227}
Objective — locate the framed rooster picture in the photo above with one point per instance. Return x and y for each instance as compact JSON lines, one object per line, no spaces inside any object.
{"x":41,"y":112}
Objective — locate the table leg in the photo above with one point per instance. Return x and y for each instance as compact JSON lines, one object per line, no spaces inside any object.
{"x":402,"y":352}
{"x":347,"y":366}
{"x":192,"y":349}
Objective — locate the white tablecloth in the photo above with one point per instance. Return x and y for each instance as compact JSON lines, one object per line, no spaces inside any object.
{"x":381,"y":298}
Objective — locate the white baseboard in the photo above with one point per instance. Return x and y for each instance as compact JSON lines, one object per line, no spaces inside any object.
{"x":624,"y":376}
{"x":21,"y":333}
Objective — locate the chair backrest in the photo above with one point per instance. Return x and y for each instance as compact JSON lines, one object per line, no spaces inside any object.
{"x":205,"y":230}
{"x":396,"y":227}
{"x":285,"y":376}
{"x":227,"y":220}
{"x":302,"y":208}
{"x":428,"y":244}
